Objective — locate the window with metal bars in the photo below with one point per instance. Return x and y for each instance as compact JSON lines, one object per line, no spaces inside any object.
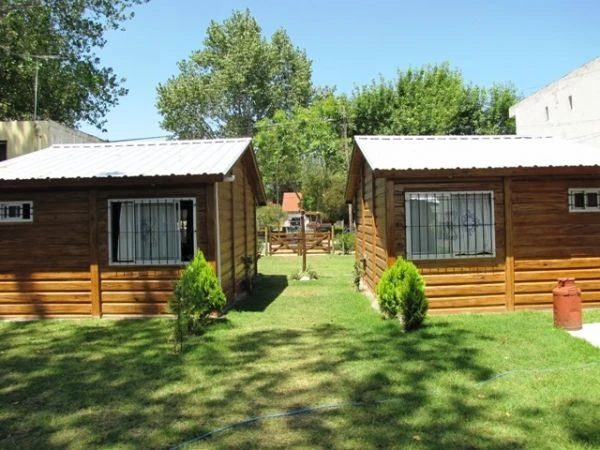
{"x":152,"y":231}
{"x":16,"y":211}
{"x":584,"y":200}
{"x":447,"y":225}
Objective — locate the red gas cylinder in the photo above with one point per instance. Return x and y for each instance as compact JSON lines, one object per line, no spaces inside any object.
{"x":567,"y":304}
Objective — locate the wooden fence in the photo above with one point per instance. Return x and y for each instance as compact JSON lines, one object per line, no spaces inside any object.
{"x":291,"y":242}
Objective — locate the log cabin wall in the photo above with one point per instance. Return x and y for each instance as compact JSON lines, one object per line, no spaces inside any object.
{"x":45,"y":264}
{"x":237,"y":227}
{"x":550,"y":242}
{"x":58,"y":264}
{"x":371,"y":226}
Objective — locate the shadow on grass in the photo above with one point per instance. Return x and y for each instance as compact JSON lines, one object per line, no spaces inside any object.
{"x":394,"y":376}
{"x":266,"y":291}
{"x":85,"y":384}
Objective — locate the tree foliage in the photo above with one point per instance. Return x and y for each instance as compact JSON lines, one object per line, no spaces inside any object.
{"x":432,"y":100}
{"x":304,"y":151}
{"x":235,"y":80}
{"x":58,"y":37}
{"x":270,"y":216}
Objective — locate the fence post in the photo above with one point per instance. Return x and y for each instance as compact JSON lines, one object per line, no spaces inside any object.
{"x":303,"y":234}
{"x":267,"y":242}
{"x":331,"y":240}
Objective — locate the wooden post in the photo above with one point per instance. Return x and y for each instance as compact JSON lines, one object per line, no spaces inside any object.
{"x":303,"y":239}
{"x":211,"y":229}
{"x":95,"y":285}
{"x":390,"y":222}
{"x":509,"y":264}
{"x":331,"y":238}
{"x":232,"y":237}
{"x":267,"y":242}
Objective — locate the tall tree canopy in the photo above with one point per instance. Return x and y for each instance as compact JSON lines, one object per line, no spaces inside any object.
{"x":235,"y":80}
{"x":432,"y":100}
{"x":306,"y":151}
{"x":58,"y":37}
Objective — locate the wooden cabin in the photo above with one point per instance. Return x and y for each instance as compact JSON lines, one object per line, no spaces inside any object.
{"x":104,"y":229}
{"x":490,"y":221}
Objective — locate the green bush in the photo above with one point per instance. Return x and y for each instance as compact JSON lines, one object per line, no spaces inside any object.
{"x":197,"y":294}
{"x":401,"y":290}
{"x":345,"y":242}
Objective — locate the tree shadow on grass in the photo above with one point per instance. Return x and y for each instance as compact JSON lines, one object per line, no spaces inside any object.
{"x":266,"y":291}
{"x":85,"y":384}
{"x":383,"y":382}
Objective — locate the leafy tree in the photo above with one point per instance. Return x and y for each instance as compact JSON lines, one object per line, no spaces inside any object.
{"x":237,"y":79}
{"x":270,"y":216}
{"x":500,"y":97}
{"x":302,"y":151}
{"x":432,"y":100}
{"x":58,"y":37}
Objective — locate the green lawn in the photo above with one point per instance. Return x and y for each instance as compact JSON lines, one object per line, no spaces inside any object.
{"x":463,"y":381}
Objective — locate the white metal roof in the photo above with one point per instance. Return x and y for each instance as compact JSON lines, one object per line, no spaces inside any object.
{"x":127,"y":159}
{"x":473,"y":152}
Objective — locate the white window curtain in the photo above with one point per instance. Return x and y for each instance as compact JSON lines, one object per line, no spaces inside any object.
{"x":126,"y":243}
{"x":449,"y":225}
{"x":158,"y":235}
{"x":149,"y":232}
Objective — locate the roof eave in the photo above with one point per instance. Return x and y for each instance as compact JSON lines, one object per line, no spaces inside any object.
{"x":93,"y":182}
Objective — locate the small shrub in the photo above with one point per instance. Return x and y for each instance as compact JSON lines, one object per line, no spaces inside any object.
{"x":196,"y":295}
{"x":345,"y":242}
{"x":401,"y":291}
{"x":310,"y":273}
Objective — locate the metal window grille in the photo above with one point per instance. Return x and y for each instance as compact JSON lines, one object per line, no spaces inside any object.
{"x":152,"y":231}
{"x":17,"y":211}
{"x":584,"y":200}
{"x":446,"y":225}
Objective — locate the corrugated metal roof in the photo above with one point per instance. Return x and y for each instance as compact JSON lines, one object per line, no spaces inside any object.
{"x":127,"y":159}
{"x":473,"y":152}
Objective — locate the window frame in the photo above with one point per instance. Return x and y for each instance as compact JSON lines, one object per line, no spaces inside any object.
{"x":446,"y":256}
{"x":584,"y":191}
{"x":19,"y":203}
{"x":151,"y":200}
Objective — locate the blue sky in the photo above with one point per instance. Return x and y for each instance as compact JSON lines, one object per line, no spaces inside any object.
{"x":527,"y":42}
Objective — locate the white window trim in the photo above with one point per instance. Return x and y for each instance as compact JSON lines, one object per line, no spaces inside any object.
{"x":588,"y":190}
{"x":434,"y":257}
{"x":146,"y":201}
{"x":17,"y":219}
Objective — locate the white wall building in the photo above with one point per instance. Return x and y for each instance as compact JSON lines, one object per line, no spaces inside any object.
{"x":568,"y":108}
{"x":19,"y":137}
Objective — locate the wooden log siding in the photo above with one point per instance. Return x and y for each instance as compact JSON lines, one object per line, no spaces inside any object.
{"x":537,"y":241}
{"x":371,"y":214}
{"x":550,"y":242}
{"x":237,"y":229}
{"x":45,"y":264}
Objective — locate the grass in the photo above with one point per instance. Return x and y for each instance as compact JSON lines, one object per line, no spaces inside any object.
{"x":116,"y":384}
